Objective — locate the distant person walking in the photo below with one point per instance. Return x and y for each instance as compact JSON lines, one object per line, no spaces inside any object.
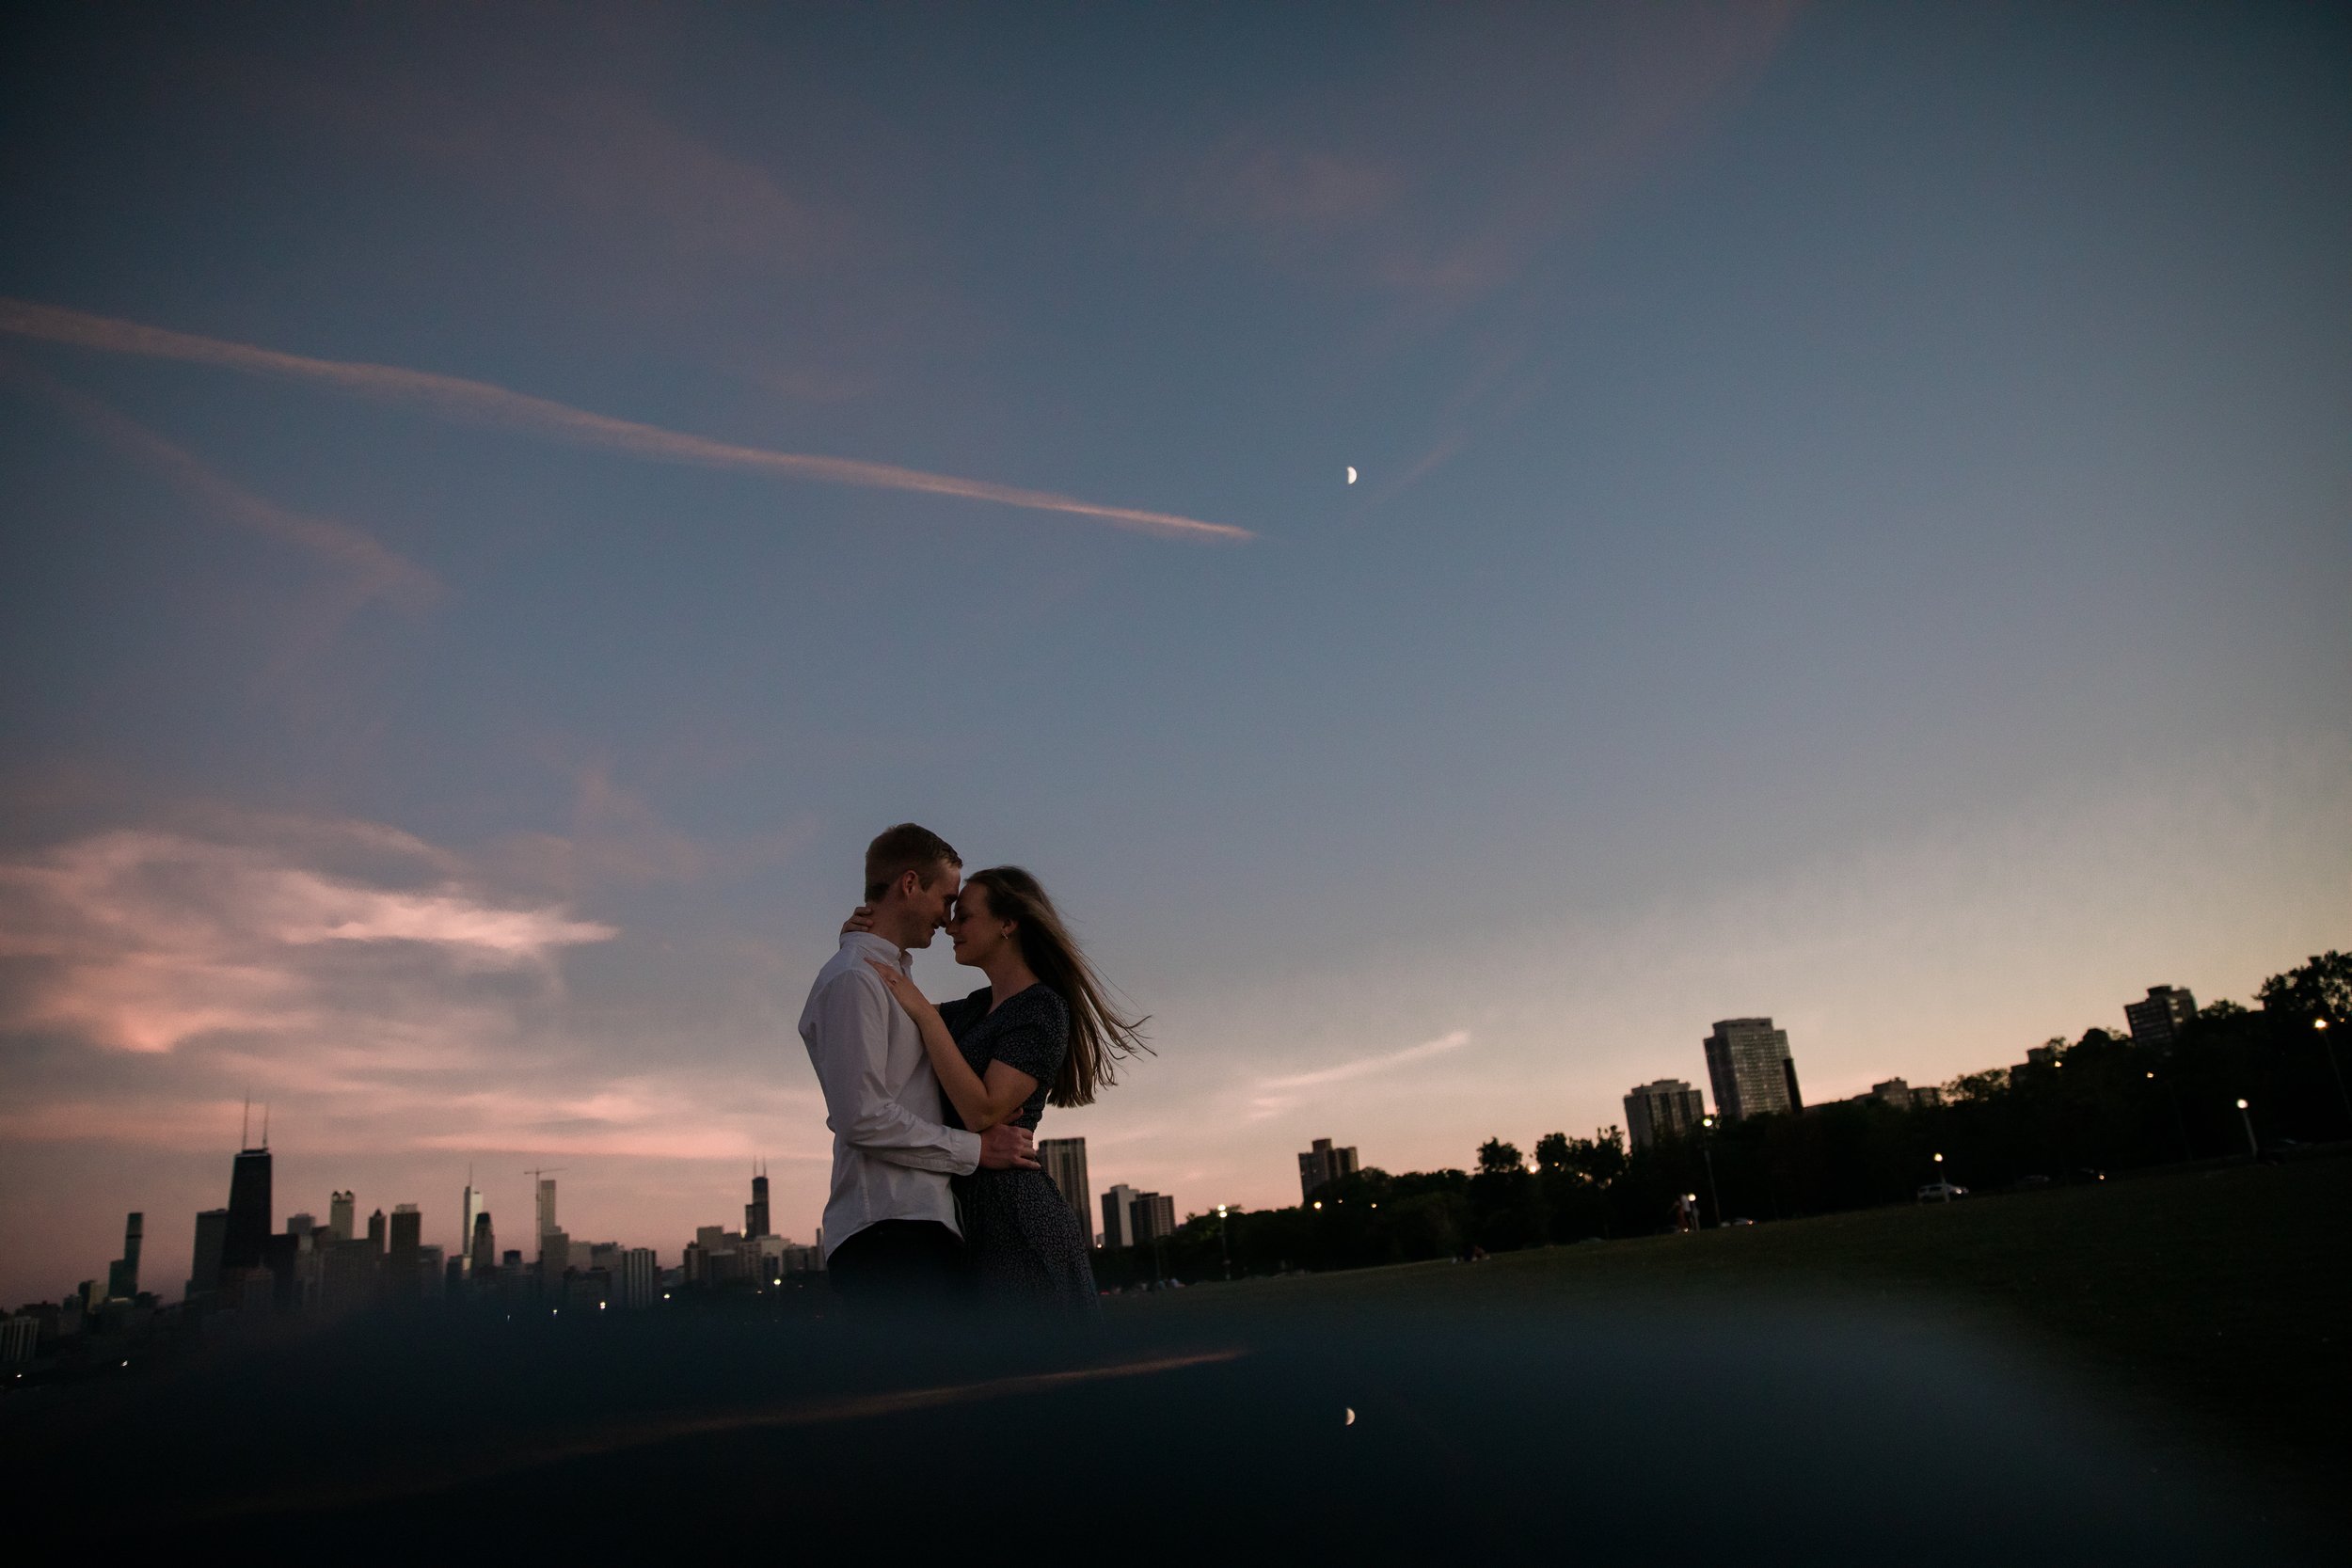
{"x":891,"y":1233}
{"x":1040,"y":1033}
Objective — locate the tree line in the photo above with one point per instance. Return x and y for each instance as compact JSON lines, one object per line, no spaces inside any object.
{"x":2099,"y":1103}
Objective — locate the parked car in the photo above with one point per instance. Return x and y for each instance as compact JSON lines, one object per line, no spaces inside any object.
{"x":2026,"y":1182}
{"x":1941,"y":1192}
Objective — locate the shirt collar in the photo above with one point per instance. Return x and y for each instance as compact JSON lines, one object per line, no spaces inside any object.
{"x":880,"y":947}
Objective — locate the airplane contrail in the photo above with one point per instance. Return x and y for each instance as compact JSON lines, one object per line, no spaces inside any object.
{"x":482,"y":402}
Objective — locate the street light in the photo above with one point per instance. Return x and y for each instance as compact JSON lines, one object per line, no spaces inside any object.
{"x":1943,"y":1181}
{"x":2328,"y":1045}
{"x":1224,"y":1247}
{"x":1707,"y":1152}
{"x":2252,"y":1148}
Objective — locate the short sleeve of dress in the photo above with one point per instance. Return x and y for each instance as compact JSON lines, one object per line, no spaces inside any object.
{"x":1034,"y":1043}
{"x":961,"y":1014}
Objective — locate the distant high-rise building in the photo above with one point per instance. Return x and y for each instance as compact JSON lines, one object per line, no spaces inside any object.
{"x":122,"y":1276}
{"x":1321,"y":1165}
{"x":403,"y":1260}
{"x":250,"y":1209}
{"x":2160,"y":1016}
{"x":555,"y":1255}
{"x":376,"y":1229}
{"x":301,"y":1223}
{"x":1752,"y":1071}
{"x":1065,"y":1163}
{"x":1119,"y":1216}
{"x":755,"y":1212}
{"x":1155,"y":1216}
{"x":1669,"y":1108}
{"x":469,"y":1208}
{"x":547,"y":1204}
{"x":338,"y":1216}
{"x":639,"y":1278}
{"x":212,"y":1236}
{"x":1903,"y":1097}
{"x":482,"y":1254}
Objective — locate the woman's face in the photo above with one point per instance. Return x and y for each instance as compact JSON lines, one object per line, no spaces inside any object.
{"x":979,"y":936}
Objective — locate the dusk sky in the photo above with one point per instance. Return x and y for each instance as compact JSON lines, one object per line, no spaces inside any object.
{"x":501,"y":504}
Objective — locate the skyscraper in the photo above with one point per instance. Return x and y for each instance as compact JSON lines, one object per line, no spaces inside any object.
{"x":1751,"y":1069}
{"x":1667,"y":1108}
{"x":375,"y":1231}
{"x":211,"y":1235}
{"x":755,"y":1212}
{"x":1321,"y":1165}
{"x":250,"y":1209}
{"x":408,"y":1243}
{"x":482,"y":1253}
{"x":547,"y":1204}
{"x":1065,"y":1163}
{"x":1119,"y":1216}
{"x":2157,"y":1018}
{"x":338,"y":1216}
{"x":122,"y":1275}
{"x":470,"y":1206}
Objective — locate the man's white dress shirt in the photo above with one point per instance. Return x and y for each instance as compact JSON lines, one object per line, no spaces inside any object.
{"x":891,"y":1157}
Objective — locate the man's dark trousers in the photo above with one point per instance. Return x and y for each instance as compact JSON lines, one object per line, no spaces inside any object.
{"x":899,"y":1263}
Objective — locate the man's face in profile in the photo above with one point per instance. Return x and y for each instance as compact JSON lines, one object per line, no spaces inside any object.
{"x":933,"y":902}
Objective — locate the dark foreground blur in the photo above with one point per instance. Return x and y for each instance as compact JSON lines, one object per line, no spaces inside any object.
{"x":1738,"y":1431}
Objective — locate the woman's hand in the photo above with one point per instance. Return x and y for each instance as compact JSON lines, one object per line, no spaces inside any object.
{"x":900,"y":986}
{"x":861,"y":919}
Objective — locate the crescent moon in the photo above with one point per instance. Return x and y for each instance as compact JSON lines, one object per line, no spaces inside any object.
{"x":1351,"y":473}
{"x":1351,"y":1417}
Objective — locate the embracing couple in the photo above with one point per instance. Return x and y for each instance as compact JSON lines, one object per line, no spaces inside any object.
{"x":937,"y":1196}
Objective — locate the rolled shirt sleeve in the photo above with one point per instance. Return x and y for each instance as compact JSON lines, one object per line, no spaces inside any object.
{"x":853,"y":1018}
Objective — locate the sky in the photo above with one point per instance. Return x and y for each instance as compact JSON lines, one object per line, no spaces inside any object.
{"x":501,"y":503}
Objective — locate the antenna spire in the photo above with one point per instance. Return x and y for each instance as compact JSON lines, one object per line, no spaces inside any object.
{"x":264,"y":1124}
{"x":245,"y":1123}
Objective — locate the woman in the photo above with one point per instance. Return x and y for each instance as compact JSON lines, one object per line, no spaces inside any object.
{"x":1038,"y":1032}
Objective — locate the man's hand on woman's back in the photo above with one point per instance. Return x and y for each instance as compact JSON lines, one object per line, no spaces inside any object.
{"x":1005,"y":1146}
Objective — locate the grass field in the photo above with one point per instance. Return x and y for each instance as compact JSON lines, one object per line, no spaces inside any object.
{"x":2214,"y":1305}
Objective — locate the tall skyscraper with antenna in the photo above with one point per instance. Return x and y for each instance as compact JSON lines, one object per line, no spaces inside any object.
{"x":755,"y":1212}
{"x":250,"y":1205}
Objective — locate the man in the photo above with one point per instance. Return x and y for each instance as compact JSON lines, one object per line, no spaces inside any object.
{"x":890,"y":1224}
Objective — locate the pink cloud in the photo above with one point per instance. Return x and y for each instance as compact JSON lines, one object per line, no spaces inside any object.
{"x":482,"y":403}
{"x":142,"y":940}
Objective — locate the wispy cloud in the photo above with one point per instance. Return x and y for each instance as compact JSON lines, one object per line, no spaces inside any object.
{"x":365,"y":569}
{"x":1273,"y":1096}
{"x":142,"y":940}
{"x":1357,"y":182}
{"x":482,"y":403}
{"x":1365,"y":1066}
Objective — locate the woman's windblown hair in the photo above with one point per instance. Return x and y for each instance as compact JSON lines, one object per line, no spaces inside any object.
{"x":1098,"y":1036}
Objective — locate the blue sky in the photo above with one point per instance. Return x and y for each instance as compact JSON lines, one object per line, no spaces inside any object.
{"x":1851,"y":527}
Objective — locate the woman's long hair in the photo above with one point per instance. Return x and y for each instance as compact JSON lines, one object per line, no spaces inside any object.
{"x":1098,"y":1036}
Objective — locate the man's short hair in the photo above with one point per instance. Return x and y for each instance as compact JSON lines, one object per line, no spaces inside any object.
{"x":903,"y":848}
